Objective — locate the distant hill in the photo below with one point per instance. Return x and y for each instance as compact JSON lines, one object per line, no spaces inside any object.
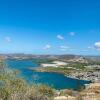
{"x":93,"y":58}
{"x":67,"y":57}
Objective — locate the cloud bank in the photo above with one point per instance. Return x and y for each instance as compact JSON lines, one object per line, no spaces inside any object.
{"x":97,"y":45}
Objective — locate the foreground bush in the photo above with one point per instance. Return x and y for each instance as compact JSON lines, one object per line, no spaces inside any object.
{"x":12,"y":88}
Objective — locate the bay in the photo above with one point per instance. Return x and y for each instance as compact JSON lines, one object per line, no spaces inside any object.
{"x":55,"y":80}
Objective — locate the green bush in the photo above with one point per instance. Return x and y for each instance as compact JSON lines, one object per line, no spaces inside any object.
{"x":12,"y":88}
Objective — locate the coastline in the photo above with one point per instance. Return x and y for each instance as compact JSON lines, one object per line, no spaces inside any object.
{"x":66,"y":75}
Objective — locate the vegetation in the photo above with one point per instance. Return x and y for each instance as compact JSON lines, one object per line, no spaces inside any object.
{"x":40,"y":60}
{"x":78,"y":65}
{"x":61,"y":70}
{"x":66,"y":69}
{"x":13,"y":88}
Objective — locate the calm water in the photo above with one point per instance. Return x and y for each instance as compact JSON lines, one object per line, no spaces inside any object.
{"x":55,"y":80}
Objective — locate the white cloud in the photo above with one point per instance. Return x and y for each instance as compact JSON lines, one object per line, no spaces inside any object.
{"x":8,"y":39}
{"x":64,"y":48}
{"x":97,"y":45}
{"x":89,"y":47}
{"x":47,"y":47}
{"x":84,"y":50}
{"x":72,"y":33}
{"x":72,"y":49}
{"x":60,"y":37}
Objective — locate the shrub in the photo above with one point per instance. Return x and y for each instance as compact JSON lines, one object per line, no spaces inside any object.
{"x":12,"y":88}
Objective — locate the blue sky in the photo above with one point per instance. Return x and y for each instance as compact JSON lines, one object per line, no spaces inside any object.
{"x":50,"y":26}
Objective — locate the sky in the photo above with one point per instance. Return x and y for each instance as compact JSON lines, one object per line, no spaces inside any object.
{"x":50,"y":26}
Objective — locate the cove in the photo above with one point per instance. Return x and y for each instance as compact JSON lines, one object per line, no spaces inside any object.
{"x":58,"y":81}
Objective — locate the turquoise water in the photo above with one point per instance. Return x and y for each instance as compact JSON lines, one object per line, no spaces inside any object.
{"x":55,"y":80}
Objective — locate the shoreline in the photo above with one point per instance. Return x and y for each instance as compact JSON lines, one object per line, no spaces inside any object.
{"x":87,"y":75}
{"x":69,"y":76}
